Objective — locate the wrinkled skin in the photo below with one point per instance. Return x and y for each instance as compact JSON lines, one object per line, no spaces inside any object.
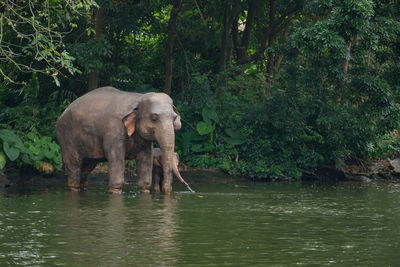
{"x":107,"y":124}
{"x":158,"y":169}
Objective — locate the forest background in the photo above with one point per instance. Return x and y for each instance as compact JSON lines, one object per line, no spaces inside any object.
{"x":267,"y":89}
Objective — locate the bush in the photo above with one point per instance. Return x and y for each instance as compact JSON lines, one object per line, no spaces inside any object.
{"x":28,"y":119}
{"x":40,"y":152}
{"x":237,"y":127}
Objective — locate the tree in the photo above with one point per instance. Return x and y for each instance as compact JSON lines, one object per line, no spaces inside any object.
{"x":98,"y":17}
{"x":31,"y":36}
{"x":170,"y":45}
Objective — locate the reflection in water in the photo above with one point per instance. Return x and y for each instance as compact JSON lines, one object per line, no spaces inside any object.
{"x":155,"y":229}
{"x":248,"y":224}
{"x":137,"y":232}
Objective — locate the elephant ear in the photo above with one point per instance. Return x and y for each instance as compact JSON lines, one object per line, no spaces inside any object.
{"x":129,"y":122}
{"x":177,"y":122}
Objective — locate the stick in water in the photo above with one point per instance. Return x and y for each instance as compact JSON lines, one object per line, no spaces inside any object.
{"x":190,"y":189}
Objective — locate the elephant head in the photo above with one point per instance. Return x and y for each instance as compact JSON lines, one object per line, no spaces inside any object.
{"x":155,"y":118}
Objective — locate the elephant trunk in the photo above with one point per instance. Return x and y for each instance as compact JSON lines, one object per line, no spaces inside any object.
{"x":178,"y":175}
{"x":167,"y":146}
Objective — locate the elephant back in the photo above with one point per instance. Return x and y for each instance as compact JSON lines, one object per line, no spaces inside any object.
{"x":103,"y":103}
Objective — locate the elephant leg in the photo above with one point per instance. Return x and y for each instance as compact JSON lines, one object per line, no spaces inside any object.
{"x":144,"y":166}
{"x":87,"y":167}
{"x":73,"y":166}
{"x":157,"y":177}
{"x":115,"y":154}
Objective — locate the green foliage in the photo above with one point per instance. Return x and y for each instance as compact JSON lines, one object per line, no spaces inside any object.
{"x":12,"y":144}
{"x":28,"y":118}
{"x":207,"y":125}
{"x":322,"y":87}
{"x":386,"y":146}
{"x":31,"y":37}
{"x":91,"y":54}
{"x":3,"y":160}
{"x":31,"y":109}
{"x":204,"y":128}
{"x":28,"y":149}
{"x":43,"y":149}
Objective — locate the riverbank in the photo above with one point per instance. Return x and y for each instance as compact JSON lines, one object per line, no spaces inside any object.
{"x":366,"y":171}
{"x":99,"y":176}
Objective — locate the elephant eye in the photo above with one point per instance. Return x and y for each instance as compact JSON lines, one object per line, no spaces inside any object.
{"x":154,"y":117}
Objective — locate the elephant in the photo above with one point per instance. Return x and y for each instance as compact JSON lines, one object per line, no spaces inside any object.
{"x":107,"y":124}
{"x":158,"y":170}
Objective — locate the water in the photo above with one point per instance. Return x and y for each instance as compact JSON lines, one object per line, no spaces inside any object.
{"x":222,"y":224}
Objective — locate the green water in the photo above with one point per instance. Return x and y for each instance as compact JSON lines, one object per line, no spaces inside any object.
{"x":223,"y":224}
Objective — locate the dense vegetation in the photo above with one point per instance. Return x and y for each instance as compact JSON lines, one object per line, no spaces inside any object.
{"x":266,"y":89}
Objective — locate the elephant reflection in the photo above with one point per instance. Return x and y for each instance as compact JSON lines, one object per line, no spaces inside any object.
{"x":119,"y":230}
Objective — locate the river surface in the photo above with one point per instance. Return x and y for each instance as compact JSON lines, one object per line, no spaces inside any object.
{"x":225,"y":223}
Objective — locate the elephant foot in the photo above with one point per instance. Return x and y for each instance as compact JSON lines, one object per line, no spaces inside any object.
{"x":156,"y":189}
{"x":145,"y":191}
{"x":167,"y":191}
{"x":115,"y":191}
{"x":85,"y":184}
{"x":74,"y":188}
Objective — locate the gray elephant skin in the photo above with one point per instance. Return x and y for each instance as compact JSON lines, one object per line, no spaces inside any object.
{"x":107,"y":124}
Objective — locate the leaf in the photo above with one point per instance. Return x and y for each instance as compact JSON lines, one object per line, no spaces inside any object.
{"x":204,"y":114}
{"x":35,"y":150}
{"x":9,"y":136}
{"x":26,"y":159}
{"x":11,"y":152}
{"x":56,"y":81}
{"x":209,"y":147}
{"x":276,"y":169}
{"x":213,"y":116}
{"x":233,"y":141}
{"x":31,"y":136}
{"x":234,"y":137}
{"x":124,"y":69}
{"x":209,"y":115}
{"x":53,"y":146}
{"x":197,"y":148}
{"x":230,"y":132}
{"x":49,"y":154}
{"x":3,"y":160}
{"x":204,"y":128}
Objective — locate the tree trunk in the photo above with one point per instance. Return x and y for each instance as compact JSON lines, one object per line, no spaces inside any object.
{"x":224,"y":40}
{"x":271,"y":39}
{"x":268,"y":36}
{"x":228,"y":22}
{"x":235,"y":35}
{"x":347,"y":58}
{"x":93,"y":77}
{"x":170,"y":46}
{"x":244,"y":45}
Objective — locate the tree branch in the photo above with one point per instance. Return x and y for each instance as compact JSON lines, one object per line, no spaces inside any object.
{"x":198,"y":8}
